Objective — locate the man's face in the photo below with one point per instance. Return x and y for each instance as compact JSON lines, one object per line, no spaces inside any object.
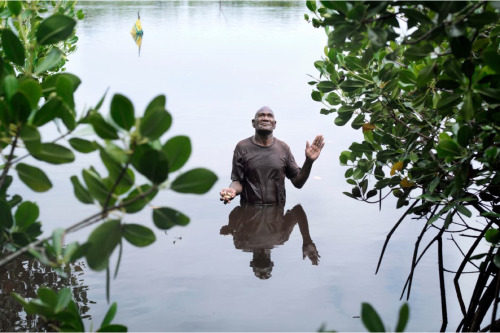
{"x":264,"y":121}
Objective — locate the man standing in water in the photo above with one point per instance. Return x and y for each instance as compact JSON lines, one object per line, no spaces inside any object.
{"x":261,"y":163}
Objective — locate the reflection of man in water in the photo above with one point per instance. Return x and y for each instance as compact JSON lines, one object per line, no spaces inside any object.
{"x":259,"y":228}
{"x":261,"y":163}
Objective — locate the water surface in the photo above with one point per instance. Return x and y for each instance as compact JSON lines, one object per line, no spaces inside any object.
{"x":217,"y":63}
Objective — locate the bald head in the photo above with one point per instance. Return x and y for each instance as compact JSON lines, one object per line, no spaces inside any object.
{"x":264,"y":109}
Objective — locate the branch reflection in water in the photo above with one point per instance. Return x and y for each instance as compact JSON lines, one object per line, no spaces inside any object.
{"x":260,"y":228}
{"x":24,"y":275}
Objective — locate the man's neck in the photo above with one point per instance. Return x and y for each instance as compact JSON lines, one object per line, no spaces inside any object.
{"x":263,"y":139}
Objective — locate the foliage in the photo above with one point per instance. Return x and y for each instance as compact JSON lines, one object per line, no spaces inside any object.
{"x":421,"y":81}
{"x":36,"y":38}
{"x":373,"y":323}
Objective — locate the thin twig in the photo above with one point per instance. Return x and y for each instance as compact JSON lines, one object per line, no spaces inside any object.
{"x":388,"y":237}
{"x":444,"y":311}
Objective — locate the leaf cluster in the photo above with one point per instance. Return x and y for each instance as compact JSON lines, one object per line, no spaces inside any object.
{"x":421,"y":82}
{"x":136,"y":158}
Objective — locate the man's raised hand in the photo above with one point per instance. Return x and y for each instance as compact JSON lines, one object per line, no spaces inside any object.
{"x":313,"y":150}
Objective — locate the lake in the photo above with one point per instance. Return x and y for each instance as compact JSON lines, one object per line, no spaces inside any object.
{"x":217,"y":63}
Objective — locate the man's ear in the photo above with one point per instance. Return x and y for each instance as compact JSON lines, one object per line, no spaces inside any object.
{"x":253,"y":123}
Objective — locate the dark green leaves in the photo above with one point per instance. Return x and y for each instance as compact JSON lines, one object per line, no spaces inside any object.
{"x":81,"y":193}
{"x":138,"y":235}
{"x":54,"y":29}
{"x":33,"y":177}
{"x":54,"y":154}
{"x":52,"y":59}
{"x":13,"y":48}
{"x":6,"y":219}
{"x":155,"y":123}
{"x":448,"y":148}
{"x":154,"y":165}
{"x":371,"y":319}
{"x":102,"y":241}
{"x":197,"y":181}
{"x":418,"y":52}
{"x":178,"y":150}
{"x":122,"y":111}
{"x":165,"y":218}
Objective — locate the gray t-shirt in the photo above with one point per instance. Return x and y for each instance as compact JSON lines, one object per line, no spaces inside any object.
{"x":262,"y":170}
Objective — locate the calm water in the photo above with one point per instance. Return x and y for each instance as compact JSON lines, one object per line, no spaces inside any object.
{"x":218,"y":63}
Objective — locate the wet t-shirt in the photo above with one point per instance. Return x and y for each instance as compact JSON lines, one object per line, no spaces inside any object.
{"x":262,"y":170}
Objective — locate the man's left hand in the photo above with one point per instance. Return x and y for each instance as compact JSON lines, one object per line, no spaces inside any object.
{"x":313,"y":150}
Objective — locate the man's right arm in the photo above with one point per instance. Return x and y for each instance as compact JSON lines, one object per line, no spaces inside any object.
{"x":229,"y":193}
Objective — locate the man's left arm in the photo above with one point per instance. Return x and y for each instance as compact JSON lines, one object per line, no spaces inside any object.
{"x":312,"y":154}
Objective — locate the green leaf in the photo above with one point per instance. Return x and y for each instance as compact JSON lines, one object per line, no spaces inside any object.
{"x":31,"y":138}
{"x":311,"y":5}
{"x":110,"y":315}
{"x":196,"y":181}
{"x":351,"y":85}
{"x":15,"y":7}
{"x":415,"y":53}
{"x":492,"y":236}
{"x":325,"y":86}
{"x":64,"y":89}
{"x":138,"y":235}
{"x":63,"y":299}
{"x":371,"y":319}
{"x":33,"y":177}
{"x":81,"y":193}
{"x":96,"y":187}
{"x":464,"y":135}
{"x":496,"y":260}
{"x":467,"y":110}
{"x":404,"y":314}
{"x":155,"y":123}
{"x":178,"y":150}
{"x":32,"y":90}
{"x":102,"y":241}
{"x":482,"y":19}
{"x":6,"y":219}
{"x":21,"y":107}
{"x":48,"y":112}
{"x":447,"y":100}
{"x":10,"y":86}
{"x":492,"y":59}
{"x":54,"y":29}
{"x":13,"y":48}
{"x":26,"y":214}
{"x":52,"y":59}
{"x":424,"y":76}
{"x":165,"y":218}
{"x":140,"y":203}
{"x":463,"y":210}
{"x":122,"y":111}
{"x":447,"y":148}
{"x":159,"y":101}
{"x":116,"y":170}
{"x":82,"y":145}
{"x":154,"y":165}
{"x":55,"y":154}
{"x":47,"y":296}
{"x":102,"y":128}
